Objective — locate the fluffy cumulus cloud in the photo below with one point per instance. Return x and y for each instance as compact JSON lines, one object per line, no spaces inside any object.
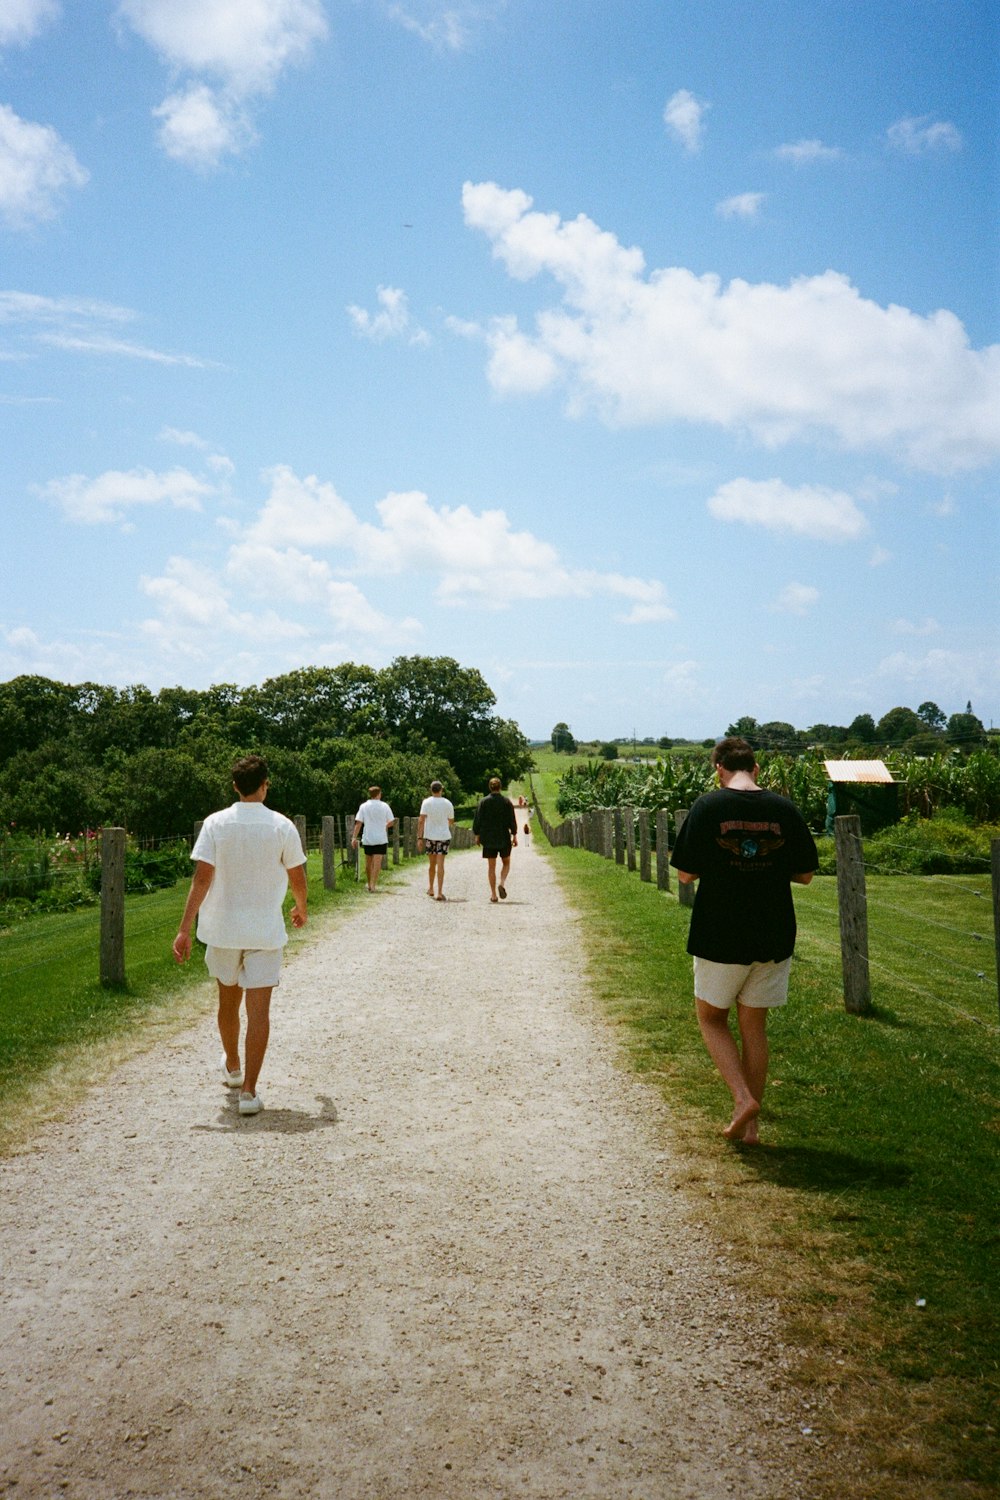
{"x":684,"y":117}
{"x":741,"y":206}
{"x":233,"y":52}
{"x":796,"y":599}
{"x":922,"y":135}
{"x":112,"y":496}
{"x":812,"y":511}
{"x":810,"y":359}
{"x":392,"y":321}
{"x":22,"y":20}
{"x":37,"y":169}
{"x":475,"y":557}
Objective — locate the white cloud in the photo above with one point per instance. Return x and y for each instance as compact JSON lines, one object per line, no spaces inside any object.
{"x":391,"y":321}
{"x":784,"y":363}
{"x":476,"y":556}
{"x":803,"y":153}
{"x":26,"y":307}
{"x":796,"y":599}
{"x":36,"y":169}
{"x":922,"y":135}
{"x":447,"y":25}
{"x":812,"y":511}
{"x":942,"y":675}
{"x":242,"y":46}
{"x":112,"y":495}
{"x":200,"y":126}
{"x":928,"y":626}
{"x":120,"y":348}
{"x":741,"y":206}
{"x":682,"y":678}
{"x":880,"y":556}
{"x":684,"y":117}
{"x":22,"y":20}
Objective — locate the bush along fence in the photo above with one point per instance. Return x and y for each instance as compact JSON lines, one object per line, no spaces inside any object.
{"x":637,"y":836}
{"x":332,"y":839}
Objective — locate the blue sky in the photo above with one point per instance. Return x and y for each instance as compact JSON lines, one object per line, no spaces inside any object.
{"x":641,"y":355}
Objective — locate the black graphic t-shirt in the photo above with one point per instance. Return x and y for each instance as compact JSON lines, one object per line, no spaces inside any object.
{"x":744,"y":847}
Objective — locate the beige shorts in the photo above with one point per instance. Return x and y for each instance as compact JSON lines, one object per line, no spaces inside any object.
{"x":250,"y":968}
{"x":760,"y":985}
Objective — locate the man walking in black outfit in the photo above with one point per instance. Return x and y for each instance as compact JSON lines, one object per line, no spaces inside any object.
{"x":746,"y":847}
{"x":495,"y":828}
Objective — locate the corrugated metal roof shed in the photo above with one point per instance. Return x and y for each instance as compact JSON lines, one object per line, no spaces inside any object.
{"x":869,"y":772}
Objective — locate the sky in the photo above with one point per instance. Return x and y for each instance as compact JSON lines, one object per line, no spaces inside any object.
{"x":641,"y":355}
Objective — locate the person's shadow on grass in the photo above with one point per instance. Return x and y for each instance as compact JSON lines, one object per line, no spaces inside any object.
{"x":281,"y":1121}
{"x":822,"y":1171}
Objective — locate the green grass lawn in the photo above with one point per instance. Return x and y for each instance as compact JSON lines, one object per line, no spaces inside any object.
{"x":871,"y":1210}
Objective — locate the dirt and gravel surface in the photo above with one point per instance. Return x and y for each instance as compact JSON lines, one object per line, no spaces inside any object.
{"x":452,"y":1258}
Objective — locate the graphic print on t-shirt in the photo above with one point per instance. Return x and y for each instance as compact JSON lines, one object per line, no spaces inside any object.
{"x":750,"y":840}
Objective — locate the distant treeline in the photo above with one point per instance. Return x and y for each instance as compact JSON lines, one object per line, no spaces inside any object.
{"x":79,"y":756}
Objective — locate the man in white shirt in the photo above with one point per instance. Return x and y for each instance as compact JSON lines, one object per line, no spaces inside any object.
{"x":245,"y":857}
{"x":434,"y":826}
{"x":372,"y":822}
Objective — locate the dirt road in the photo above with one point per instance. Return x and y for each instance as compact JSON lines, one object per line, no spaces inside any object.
{"x":452,"y":1258}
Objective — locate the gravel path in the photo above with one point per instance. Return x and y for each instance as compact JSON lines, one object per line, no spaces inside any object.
{"x":451,"y":1258}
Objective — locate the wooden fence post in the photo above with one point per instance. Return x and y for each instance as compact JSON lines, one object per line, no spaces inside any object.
{"x":853,"y":906}
{"x":662,"y":850}
{"x":685,"y":889}
{"x":607,"y":818}
{"x":113,"y":908}
{"x":395,"y":842}
{"x":644,"y":853}
{"x":995,"y":870}
{"x":619,"y":837}
{"x":630,"y":837}
{"x":300,"y":824}
{"x":329,"y":853}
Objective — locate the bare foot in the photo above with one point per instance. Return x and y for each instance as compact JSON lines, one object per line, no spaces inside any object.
{"x":742,"y":1116}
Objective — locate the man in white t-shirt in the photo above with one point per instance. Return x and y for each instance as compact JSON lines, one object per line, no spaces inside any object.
{"x":434,"y":825}
{"x":245,"y":857}
{"x":372,"y":822}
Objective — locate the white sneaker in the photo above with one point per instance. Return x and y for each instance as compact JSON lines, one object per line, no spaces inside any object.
{"x":251,"y":1104}
{"x":231,"y":1080}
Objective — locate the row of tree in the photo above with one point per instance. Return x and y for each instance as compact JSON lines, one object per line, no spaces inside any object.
{"x":78,"y":756}
{"x":920,"y":731}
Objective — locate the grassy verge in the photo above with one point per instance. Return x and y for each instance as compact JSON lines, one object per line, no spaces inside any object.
{"x":870,"y":1212}
{"x":60,"y":1029}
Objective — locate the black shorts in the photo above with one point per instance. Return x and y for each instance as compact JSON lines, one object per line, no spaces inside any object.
{"x":496,"y":851}
{"x":375,"y":848}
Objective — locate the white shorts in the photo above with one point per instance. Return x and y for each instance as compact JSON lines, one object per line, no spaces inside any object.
{"x":760,"y":985}
{"x":250,"y":968}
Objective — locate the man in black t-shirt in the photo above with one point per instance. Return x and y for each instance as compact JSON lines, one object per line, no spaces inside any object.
{"x":495,"y":828}
{"x":746,"y":847}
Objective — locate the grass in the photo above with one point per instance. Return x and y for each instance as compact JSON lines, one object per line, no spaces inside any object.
{"x":61,"y":1028}
{"x":870,"y":1214}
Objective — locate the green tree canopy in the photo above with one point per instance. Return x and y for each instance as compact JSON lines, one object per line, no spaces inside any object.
{"x":562,"y":739}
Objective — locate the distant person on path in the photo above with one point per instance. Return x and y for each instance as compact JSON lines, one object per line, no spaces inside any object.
{"x":372,"y":822}
{"x":495,"y":828}
{"x":434,"y":826}
{"x":746,"y":847}
{"x":245,"y":857}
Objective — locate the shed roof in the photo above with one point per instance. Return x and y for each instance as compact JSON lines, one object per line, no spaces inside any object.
{"x":870,"y":772}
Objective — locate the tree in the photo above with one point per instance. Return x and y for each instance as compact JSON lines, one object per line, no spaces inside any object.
{"x":862,"y":728}
{"x":827,"y":734}
{"x":932,"y":716}
{"x":965,"y":731}
{"x":745,"y":728}
{"x":777,"y":735}
{"x":609,"y":750}
{"x":433,"y":701}
{"x":562,"y":740}
{"x":897,"y":726}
